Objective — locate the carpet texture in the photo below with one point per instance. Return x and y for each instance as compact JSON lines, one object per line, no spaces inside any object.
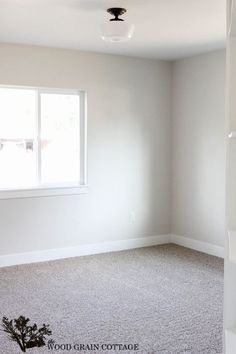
{"x":167,"y":299}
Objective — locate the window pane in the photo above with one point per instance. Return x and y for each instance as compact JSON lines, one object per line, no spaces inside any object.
{"x":17,"y":164}
{"x":17,"y":134}
{"x":60,"y":138}
{"x":17,"y":113}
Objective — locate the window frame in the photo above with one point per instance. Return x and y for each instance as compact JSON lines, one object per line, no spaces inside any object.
{"x":45,"y":190}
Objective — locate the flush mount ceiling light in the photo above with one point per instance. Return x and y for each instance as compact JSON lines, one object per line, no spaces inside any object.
{"x":116,"y":30}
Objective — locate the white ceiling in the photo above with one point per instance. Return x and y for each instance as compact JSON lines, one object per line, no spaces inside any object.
{"x":166,"y":29}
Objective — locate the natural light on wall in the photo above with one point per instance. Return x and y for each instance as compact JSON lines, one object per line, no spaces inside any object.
{"x":42,"y":140}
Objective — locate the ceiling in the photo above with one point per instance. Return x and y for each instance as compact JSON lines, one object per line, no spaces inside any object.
{"x":165,"y":29}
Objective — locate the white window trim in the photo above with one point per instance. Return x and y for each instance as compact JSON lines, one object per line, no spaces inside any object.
{"x":61,"y":189}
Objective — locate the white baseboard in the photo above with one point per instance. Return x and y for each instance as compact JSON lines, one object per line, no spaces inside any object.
{"x":104,"y":247}
{"x":196,"y":245}
{"x":82,"y":250}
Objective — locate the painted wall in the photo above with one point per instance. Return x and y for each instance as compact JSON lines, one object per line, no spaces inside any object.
{"x":198,"y":148}
{"x":128,"y":150}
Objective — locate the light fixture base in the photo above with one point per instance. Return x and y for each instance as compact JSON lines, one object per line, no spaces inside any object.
{"x":116,"y":12}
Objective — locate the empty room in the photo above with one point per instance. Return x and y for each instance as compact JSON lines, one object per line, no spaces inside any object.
{"x":117,"y":176}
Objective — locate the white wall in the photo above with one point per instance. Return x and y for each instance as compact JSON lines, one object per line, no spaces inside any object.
{"x":130,"y":102}
{"x":128,"y":150}
{"x":198,"y":145}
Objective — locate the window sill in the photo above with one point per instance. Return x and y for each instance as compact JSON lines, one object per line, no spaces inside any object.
{"x":43,"y":192}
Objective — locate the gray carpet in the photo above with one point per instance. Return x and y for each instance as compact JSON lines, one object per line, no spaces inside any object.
{"x":168,"y":299}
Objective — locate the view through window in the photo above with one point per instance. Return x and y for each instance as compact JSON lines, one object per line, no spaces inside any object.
{"x":40,"y":138}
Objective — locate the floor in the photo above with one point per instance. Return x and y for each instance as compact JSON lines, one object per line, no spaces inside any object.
{"x":166,"y":299}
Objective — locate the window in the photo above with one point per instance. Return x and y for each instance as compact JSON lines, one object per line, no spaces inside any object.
{"x":42,"y":142}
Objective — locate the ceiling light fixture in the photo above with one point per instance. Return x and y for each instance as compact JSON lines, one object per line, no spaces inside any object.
{"x":116,"y":30}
